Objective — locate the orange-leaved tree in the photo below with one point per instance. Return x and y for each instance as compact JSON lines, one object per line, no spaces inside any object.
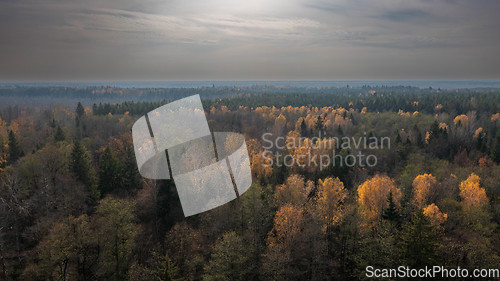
{"x":331,"y":195}
{"x":294,"y":191}
{"x":423,"y":188}
{"x":474,"y":199}
{"x":436,"y":217}
{"x":372,"y":197}
{"x":285,"y":244}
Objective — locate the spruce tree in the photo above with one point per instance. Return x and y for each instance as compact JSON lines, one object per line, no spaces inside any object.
{"x":495,"y":150}
{"x":80,"y":111}
{"x":15,"y":150}
{"x":59,"y":135}
{"x":434,"y":131}
{"x":419,"y":242}
{"x":318,"y":126}
{"x":303,"y":128}
{"x":398,"y":138}
{"x":419,"y":137}
{"x":391,"y":213}
{"x":130,"y":175}
{"x":81,"y":167}
{"x":110,"y":172}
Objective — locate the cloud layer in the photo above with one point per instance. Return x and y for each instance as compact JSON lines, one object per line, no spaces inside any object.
{"x":248,"y":40}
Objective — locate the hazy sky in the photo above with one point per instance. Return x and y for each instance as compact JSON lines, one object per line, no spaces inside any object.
{"x":249,"y":39}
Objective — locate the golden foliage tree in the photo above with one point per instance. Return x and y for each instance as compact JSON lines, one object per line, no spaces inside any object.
{"x":373,"y":194}
{"x":462,"y":120}
{"x":287,"y":226}
{"x":285,"y":244}
{"x":495,"y":117}
{"x":279,"y":125}
{"x":260,"y":165}
{"x":294,"y":191}
{"x":436,"y":217}
{"x":472,"y":194}
{"x":331,"y":195}
{"x":423,"y":188}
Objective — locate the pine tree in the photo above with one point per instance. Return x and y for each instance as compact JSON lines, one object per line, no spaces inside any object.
{"x":15,"y":150}
{"x":59,"y":135}
{"x":81,"y":166}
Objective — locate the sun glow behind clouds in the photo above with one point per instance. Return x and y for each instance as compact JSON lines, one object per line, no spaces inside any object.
{"x":257,"y":6}
{"x":234,"y":7}
{"x":245,"y":39}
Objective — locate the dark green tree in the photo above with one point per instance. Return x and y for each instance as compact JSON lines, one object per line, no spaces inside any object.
{"x":398,"y":138}
{"x":303,"y":129}
{"x":80,"y":111}
{"x":318,"y":126}
{"x":15,"y":150}
{"x":110,"y":172}
{"x":53,"y":123}
{"x":438,"y":141}
{"x":59,"y":135}
{"x":81,"y":166}
{"x":391,"y":213}
{"x":419,"y":242}
{"x":481,"y":142}
{"x":495,"y":150}
{"x":408,"y":141}
{"x":419,"y":140}
{"x":130,"y":175}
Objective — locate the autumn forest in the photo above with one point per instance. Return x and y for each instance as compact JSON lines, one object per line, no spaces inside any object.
{"x":73,"y":205}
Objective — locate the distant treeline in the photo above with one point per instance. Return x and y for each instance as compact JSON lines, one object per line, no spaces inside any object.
{"x":374,"y":99}
{"x":105,"y":100}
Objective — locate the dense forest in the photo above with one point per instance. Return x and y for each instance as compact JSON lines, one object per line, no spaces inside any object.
{"x":74,"y":207}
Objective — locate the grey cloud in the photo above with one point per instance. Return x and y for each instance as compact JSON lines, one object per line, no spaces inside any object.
{"x":405,"y":15}
{"x":325,"y":6}
{"x":215,"y":39}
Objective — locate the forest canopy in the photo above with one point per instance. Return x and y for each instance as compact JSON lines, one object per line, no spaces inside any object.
{"x":73,"y":205}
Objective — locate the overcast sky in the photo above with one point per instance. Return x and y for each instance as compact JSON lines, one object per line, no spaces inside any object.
{"x":61,"y":40}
